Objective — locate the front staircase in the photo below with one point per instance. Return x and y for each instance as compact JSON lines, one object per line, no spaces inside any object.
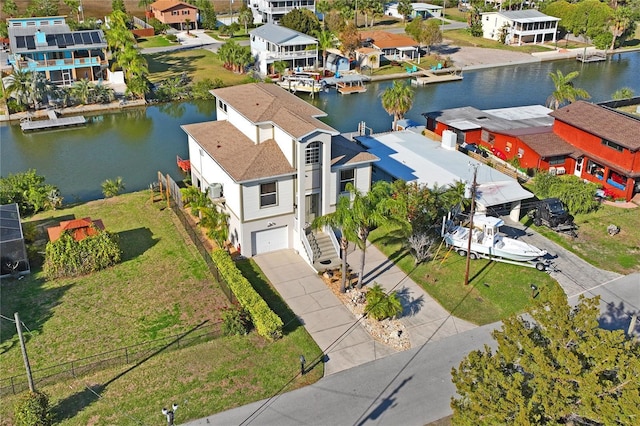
{"x":324,"y":253}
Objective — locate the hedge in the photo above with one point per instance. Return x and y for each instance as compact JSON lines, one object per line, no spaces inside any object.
{"x":267,"y":323}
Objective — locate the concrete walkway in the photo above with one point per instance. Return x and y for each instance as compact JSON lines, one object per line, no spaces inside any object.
{"x":332,"y":325}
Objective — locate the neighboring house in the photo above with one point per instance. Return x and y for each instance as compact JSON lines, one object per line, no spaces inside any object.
{"x":274,"y":167}
{"x":174,"y":13}
{"x":412,"y":157}
{"x":424,"y":10}
{"x":594,"y":142}
{"x":520,"y":26}
{"x":271,"y":43}
{"x":47,"y":45}
{"x":13,"y":250}
{"x":610,"y":145}
{"x":79,"y":228}
{"x":368,"y":57}
{"x":391,"y":46}
{"x":271,"y":11}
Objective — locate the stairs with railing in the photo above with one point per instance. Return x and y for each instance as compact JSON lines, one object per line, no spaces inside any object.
{"x":324,"y":253}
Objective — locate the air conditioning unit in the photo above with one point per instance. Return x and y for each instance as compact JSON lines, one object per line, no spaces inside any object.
{"x":560,"y":170}
{"x":508,"y":149}
{"x":552,"y":171}
{"x":520,"y":154}
{"x":215,"y":191}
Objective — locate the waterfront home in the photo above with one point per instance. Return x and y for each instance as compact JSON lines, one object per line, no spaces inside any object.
{"x":272,"y":43}
{"x":47,"y":45}
{"x":271,"y":11}
{"x":391,"y":46}
{"x":423,"y":10}
{"x":174,"y":13}
{"x":274,"y":167}
{"x":519,"y":26}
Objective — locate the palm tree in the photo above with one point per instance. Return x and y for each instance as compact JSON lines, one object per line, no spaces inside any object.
{"x":323,"y":6}
{"x":326,"y":40}
{"x":187,"y":23}
{"x":81,"y":90}
{"x":216,"y":223}
{"x":397,"y":100}
{"x":623,"y":93}
{"x":564,"y":90}
{"x":620,"y":21}
{"x":19,"y":86}
{"x":112,"y":187}
{"x":245,"y":17}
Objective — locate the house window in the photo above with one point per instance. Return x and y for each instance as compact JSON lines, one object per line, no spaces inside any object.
{"x":312,"y":153}
{"x":185,"y":12}
{"x":346,"y":176}
{"x":612,"y":145}
{"x":268,"y":194}
{"x":174,"y":12}
{"x":222,"y":106}
{"x":487,"y":137}
{"x":556,"y":161}
{"x":595,"y":169}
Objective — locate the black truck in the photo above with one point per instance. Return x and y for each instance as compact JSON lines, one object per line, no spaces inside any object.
{"x":552,"y":213}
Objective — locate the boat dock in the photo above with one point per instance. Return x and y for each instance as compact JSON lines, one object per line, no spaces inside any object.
{"x":592,"y":56}
{"x":439,"y":76}
{"x":54,"y":122}
{"x":348,"y":83}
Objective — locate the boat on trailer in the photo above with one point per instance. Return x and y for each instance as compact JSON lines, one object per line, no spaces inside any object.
{"x":487,"y":242}
{"x":307,"y":82}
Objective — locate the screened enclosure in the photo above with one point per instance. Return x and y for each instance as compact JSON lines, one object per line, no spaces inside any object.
{"x":13,"y":253}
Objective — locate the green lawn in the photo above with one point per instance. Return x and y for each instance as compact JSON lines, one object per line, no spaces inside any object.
{"x":197,"y":63}
{"x":495,"y":290}
{"x":156,"y":41}
{"x":620,"y":253}
{"x":462,"y":38}
{"x":162,"y":287}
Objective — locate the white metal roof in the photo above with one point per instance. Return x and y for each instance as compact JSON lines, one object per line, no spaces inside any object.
{"x":412,"y":157}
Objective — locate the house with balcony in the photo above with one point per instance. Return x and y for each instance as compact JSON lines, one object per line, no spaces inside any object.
{"x":47,"y":45}
{"x":423,"y":10}
{"x":608,"y":144}
{"x":273,"y":167}
{"x":175,"y":13}
{"x":272,"y":43}
{"x":271,"y":11}
{"x":520,"y":26}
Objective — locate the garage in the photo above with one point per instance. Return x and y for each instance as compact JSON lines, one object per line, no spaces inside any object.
{"x":269,"y":240}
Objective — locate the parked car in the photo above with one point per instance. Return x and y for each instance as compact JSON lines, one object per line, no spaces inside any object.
{"x":471,"y":147}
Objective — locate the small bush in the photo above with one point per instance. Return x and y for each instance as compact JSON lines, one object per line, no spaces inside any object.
{"x":32,"y":409}
{"x":172,"y":38}
{"x":236,"y":322}
{"x":381,"y":305}
{"x":67,"y":257}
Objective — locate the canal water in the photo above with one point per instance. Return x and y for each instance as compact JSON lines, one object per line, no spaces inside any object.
{"x":136,"y":144}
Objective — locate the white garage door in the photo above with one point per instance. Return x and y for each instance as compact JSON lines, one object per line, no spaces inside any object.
{"x":269,"y":240}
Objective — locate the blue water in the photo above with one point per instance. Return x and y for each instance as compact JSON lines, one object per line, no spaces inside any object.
{"x":136,"y":144}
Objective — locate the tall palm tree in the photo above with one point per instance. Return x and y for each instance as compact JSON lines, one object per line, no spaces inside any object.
{"x":397,"y":100}
{"x":19,"y":86}
{"x":326,"y":40}
{"x":81,"y":90}
{"x":323,"y":6}
{"x":564,"y":90}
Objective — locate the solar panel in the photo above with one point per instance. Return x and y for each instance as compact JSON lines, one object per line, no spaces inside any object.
{"x":68,"y":38}
{"x":20,"y":43}
{"x":31,"y":42}
{"x":60,"y":40}
{"x":86,"y":38}
{"x":51,"y":40}
{"x":77,"y":38}
{"x":95,"y":37}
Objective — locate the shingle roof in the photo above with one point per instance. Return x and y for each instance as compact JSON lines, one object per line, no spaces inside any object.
{"x":262,"y":103}
{"x":602,"y":122}
{"x":345,"y":152}
{"x":238,"y":155}
{"x":282,"y":36}
{"x":547,"y":144}
{"x":383,"y":39}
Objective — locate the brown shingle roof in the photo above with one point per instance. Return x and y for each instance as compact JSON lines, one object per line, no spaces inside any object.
{"x":238,"y":155}
{"x":384,"y":40}
{"x":602,"y":122}
{"x":261,"y":102}
{"x":547,"y":144}
{"x":344,"y":152}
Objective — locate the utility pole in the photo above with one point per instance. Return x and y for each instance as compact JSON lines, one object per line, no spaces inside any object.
{"x":473,"y":207}
{"x":24,"y":352}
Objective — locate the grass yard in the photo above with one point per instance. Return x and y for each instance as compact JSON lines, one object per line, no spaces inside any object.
{"x":155,"y":41}
{"x":162,"y":287}
{"x":197,"y":63}
{"x":495,"y":291}
{"x":463,"y":38}
{"x":619,"y":253}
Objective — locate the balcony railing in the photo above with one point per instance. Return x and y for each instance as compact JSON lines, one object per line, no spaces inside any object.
{"x":285,"y":10}
{"x":293,"y":55}
{"x":59,"y":63}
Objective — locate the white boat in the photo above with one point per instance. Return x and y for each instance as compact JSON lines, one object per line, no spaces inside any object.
{"x":486,"y":241}
{"x":302,"y":82}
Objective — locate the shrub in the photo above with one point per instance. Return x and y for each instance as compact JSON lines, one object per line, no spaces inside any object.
{"x":32,"y":409}
{"x":577,"y":195}
{"x":67,"y":257}
{"x":381,"y":305}
{"x":236,"y":322}
{"x":172,"y":38}
{"x":29,"y":191}
{"x":267,"y":323}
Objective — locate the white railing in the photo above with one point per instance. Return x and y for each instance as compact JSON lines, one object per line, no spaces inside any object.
{"x":332,"y":236}
{"x":292,"y":55}
{"x":307,"y":246}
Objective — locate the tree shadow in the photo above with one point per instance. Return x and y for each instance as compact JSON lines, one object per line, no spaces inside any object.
{"x":251,"y":271}
{"x":410,"y":305}
{"x":134,"y":242}
{"x":618,"y":317}
{"x":385,"y":404}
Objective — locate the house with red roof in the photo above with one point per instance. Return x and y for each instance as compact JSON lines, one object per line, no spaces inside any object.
{"x":174,"y":13}
{"x":273,"y":167}
{"x":79,"y":228}
{"x":391,"y":46}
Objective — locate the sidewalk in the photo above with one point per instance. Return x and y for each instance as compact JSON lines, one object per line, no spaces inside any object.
{"x":334,"y":328}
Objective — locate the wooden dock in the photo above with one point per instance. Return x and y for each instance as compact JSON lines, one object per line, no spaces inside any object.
{"x":54,"y":122}
{"x":429,"y":77}
{"x":351,"y":87}
{"x":592,"y":56}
